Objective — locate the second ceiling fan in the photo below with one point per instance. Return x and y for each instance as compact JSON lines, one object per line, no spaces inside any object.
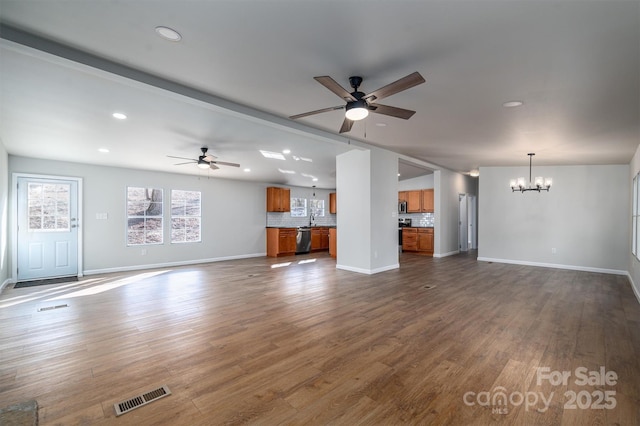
{"x":359,"y":104}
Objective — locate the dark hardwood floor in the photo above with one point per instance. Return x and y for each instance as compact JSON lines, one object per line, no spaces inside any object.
{"x":439,"y":341}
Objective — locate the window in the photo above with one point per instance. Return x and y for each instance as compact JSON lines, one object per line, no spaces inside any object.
{"x":298,"y":207}
{"x":185,"y":216}
{"x":48,"y":207}
{"x":317,"y":208}
{"x":144,"y":216}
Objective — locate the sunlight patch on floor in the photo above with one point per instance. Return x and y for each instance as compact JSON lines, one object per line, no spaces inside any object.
{"x":110,"y":285}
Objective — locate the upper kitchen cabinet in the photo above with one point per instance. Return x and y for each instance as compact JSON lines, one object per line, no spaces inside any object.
{"x":414,"y":201}
{"x":333,"y":208}
{"x":427,"y":200}
{"x":420,"y":201}
{"x":402,"y":196}
{"x":278,"y":199}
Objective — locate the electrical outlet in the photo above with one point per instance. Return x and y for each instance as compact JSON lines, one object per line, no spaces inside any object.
{"x":143,"y":252}
{"x":553,"y":250}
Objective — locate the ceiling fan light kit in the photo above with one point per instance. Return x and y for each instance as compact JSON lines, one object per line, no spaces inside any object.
{"x":358,"y":104}
{"x":356,"y":110}
{"x":538,"y":184}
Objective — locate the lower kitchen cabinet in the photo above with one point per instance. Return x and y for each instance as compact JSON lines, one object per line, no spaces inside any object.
{"x":409,"y":239}
{"x":425,"y":240}
{"x":281,"y":241}
{"x":419,"y":240}
{"x":333,"y":242}
{"x":319,"y":238}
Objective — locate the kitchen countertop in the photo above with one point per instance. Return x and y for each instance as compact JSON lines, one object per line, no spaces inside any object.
{"x":305,"y":226}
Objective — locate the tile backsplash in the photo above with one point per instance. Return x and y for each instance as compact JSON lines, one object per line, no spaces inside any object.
{"x":420,"y":219}
{"x":285,"y":220}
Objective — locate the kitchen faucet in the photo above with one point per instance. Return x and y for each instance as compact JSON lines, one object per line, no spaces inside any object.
{"x":311,"y":218}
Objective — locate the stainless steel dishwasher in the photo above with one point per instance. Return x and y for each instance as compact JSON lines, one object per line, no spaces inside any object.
{"x":303,"y":240}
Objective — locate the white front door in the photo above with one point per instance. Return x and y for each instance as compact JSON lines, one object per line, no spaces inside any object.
{"x":47,"y":239}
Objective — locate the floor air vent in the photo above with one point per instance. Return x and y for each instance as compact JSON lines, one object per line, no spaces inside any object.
{"x":48,"y":308}
{"x":140,"y":400}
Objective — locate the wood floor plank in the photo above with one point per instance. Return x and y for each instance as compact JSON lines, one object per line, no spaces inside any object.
{"x":242,"y":342}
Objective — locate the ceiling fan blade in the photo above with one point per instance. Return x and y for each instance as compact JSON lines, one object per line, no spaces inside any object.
{"x":188,"y":162}
{"x":346,"y":125}
{"x":397,"y":86}
{"x":392,"y":111}
{"x":306,"y":114}
{"x":224,"y":163}
{"x":332,"y":85}
{"x":209,"y":157}
{"x":213,"y":166}
{"x":181,"y":158}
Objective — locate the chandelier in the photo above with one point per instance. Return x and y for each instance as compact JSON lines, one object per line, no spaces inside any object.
{"x":539,"y":184}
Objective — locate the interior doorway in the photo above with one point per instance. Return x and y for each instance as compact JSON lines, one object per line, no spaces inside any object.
{"x":467,"y":235}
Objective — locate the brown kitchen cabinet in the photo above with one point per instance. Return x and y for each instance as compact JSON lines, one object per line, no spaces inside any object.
{"x":281,"y":241}
{"x":333,"y":207}
{"x":319,"y":238}
{"x":427,"y":200}
{"x":425,"y":240}
{"x":402,"y":196}
{"x":414,"y":201}
{"x":419,"y":240}
{"x":409,"y":239}
{"x":420,"y":201}
{"x":278,"y":199}
{"x":333,"y":242}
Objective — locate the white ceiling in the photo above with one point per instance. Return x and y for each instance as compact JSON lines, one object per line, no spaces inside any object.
{"x":574,"y":64}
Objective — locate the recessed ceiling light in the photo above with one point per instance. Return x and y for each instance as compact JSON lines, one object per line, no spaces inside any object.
{"x":315,"y":179}
{"x":288,"y":172}
{"x":247,"y":170}
{"x":168,"y":33}
{"x":286,"y":151}
{"x":474,"y":173}
{"x":119,"y":116}
{"x":103,"y":150}
{"x":381,"y":124}
{"x":512,"y":104}
{"x":398,"y":174}
{"x":274,"y":155}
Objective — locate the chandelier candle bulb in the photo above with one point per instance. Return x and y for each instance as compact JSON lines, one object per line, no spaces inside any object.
{"x":539,"y":184}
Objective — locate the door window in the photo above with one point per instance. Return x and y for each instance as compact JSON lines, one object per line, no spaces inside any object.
{"x":48,"y":207}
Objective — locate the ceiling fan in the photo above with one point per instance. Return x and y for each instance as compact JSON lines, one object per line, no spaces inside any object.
{"x":205,"y":161}
{"x":359,"y":104}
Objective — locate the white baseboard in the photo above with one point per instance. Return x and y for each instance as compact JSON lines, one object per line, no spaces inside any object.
{"x":635,"y":289}
{"x":6,"y":283}
{"x":170,"y":264}
{"x":451,"y":253}
{"x":368,"y":271}
{"x":556,"y":266}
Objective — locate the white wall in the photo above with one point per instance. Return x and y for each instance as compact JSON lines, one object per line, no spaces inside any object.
{"x":353,"y":193}
{"x":233,"y":215}
{"x":448,"y":185}
{"x":367,"y":219}
{"x":5,"y":272}
{"x":420,"y":182}
{"x":634,"y":263}
{"x":585,"y":217}
{"x":384,"y":210}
